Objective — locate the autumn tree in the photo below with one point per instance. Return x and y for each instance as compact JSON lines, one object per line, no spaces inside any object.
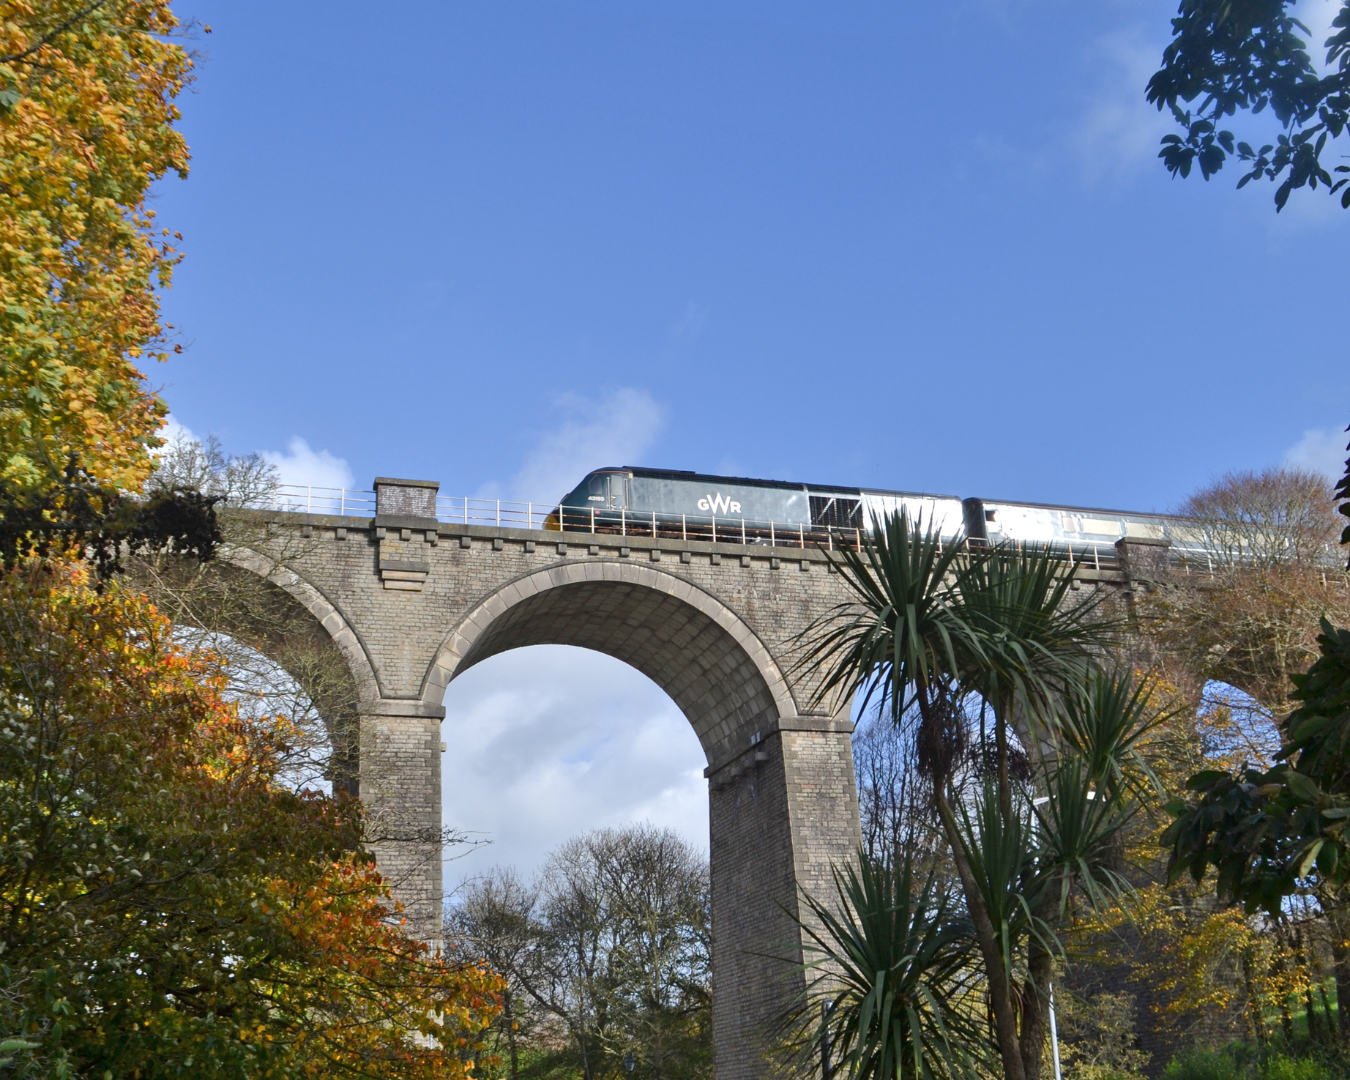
{"x":1248,"y":616}
{"x":167,"y":906}
{"x":87,"y":116}
{"x":278,"y":661}
{"x":494,"y":920}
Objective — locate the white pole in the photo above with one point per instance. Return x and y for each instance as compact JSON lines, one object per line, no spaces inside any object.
{"x":1054,"y":1033}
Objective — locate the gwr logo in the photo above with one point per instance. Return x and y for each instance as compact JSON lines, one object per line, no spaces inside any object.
{"x":719,"y":504}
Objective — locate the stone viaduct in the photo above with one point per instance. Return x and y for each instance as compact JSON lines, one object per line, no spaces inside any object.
{"x":411,"y":602}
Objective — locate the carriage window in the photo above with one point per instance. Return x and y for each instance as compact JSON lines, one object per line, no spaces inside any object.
{"x":837,"y":512}
{"x":597,"y":485}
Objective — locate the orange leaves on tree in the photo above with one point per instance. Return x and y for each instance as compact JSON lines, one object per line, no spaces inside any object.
{"x":167,"y":908}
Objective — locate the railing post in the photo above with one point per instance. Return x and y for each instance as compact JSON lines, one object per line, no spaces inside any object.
{"x":801,"y":536}
{"x":342,"y":503}
{"x":742,"y":530}
{"x":653,"y":524}
{"x":529,"y":515}
{"x":592,"y":520}
{"x":623,"y":521}
{"x":466,"y":509}
{"x":309,"y":497}
{"x":714,"y":521}
{"x":684,"y":528}
{"x":499,"y":513}
{"x":772,"y":543}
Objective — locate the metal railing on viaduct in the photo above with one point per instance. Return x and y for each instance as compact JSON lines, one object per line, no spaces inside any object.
{"x":500,"y":513}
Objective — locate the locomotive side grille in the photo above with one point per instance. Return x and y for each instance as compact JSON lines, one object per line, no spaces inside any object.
{"x":835,"y":511}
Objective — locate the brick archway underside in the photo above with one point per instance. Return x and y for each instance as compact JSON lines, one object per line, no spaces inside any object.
{"x":707,"y":673}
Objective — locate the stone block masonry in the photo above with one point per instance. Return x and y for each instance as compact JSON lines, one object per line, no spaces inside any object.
{"x":412,"y":603}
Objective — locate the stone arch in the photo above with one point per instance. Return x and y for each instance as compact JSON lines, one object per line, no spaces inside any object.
{"x":300,"y":630}
{"x":782,"y":806}
{"x":344,"y":638}
{"x":699,"y":651}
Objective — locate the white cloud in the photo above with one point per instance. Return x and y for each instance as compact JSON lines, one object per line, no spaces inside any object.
{"x":172,"y":432}
{"x":549,"y":741}
{"x":1120,"y":131}
{"x":617,"y":430}
{"x":303,"y":466}
{"x":1321,"y":451}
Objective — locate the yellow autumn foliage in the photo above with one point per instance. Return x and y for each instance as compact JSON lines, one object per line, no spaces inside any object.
{"x":87,"y":110}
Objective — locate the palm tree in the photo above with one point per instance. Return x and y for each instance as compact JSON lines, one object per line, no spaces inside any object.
{"x":929,"y":624}
{"x":1036,"y":638}
{"x":892,"y":994}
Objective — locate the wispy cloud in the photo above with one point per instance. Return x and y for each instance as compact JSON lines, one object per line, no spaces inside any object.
{"x":303,"y":466}
{"x":615,"y":430}
{"x":1321,"y":451}
{"x":690,"y":324}
{"x":1119,"y":132}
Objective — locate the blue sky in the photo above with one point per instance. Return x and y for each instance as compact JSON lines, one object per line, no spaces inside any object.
{"x":896,"y":245}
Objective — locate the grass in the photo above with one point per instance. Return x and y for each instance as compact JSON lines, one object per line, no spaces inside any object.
{"x":1241,"y":1061}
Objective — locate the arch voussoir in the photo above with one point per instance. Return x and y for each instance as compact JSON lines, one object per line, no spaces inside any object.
{"x":697,"y":649}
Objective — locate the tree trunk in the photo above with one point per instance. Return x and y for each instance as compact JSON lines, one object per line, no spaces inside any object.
{"x":1339,"y":919}
{"x":1003,"y":717}
{"x":509,"y":1017}
{"x":1035,"y":1004}
{"x":1255,"y":1023}
{"x":1000,"y":986}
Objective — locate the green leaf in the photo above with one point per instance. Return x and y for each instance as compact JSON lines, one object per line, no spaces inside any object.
{"x":1302,"y":788}
{"x":1309,"y":859}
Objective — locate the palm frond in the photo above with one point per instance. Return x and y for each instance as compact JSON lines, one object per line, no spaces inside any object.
{"x":894,"y":962}
{"x":1104,"y":722}
{"x":1037,"y":634}
{"x":896,"y":633}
